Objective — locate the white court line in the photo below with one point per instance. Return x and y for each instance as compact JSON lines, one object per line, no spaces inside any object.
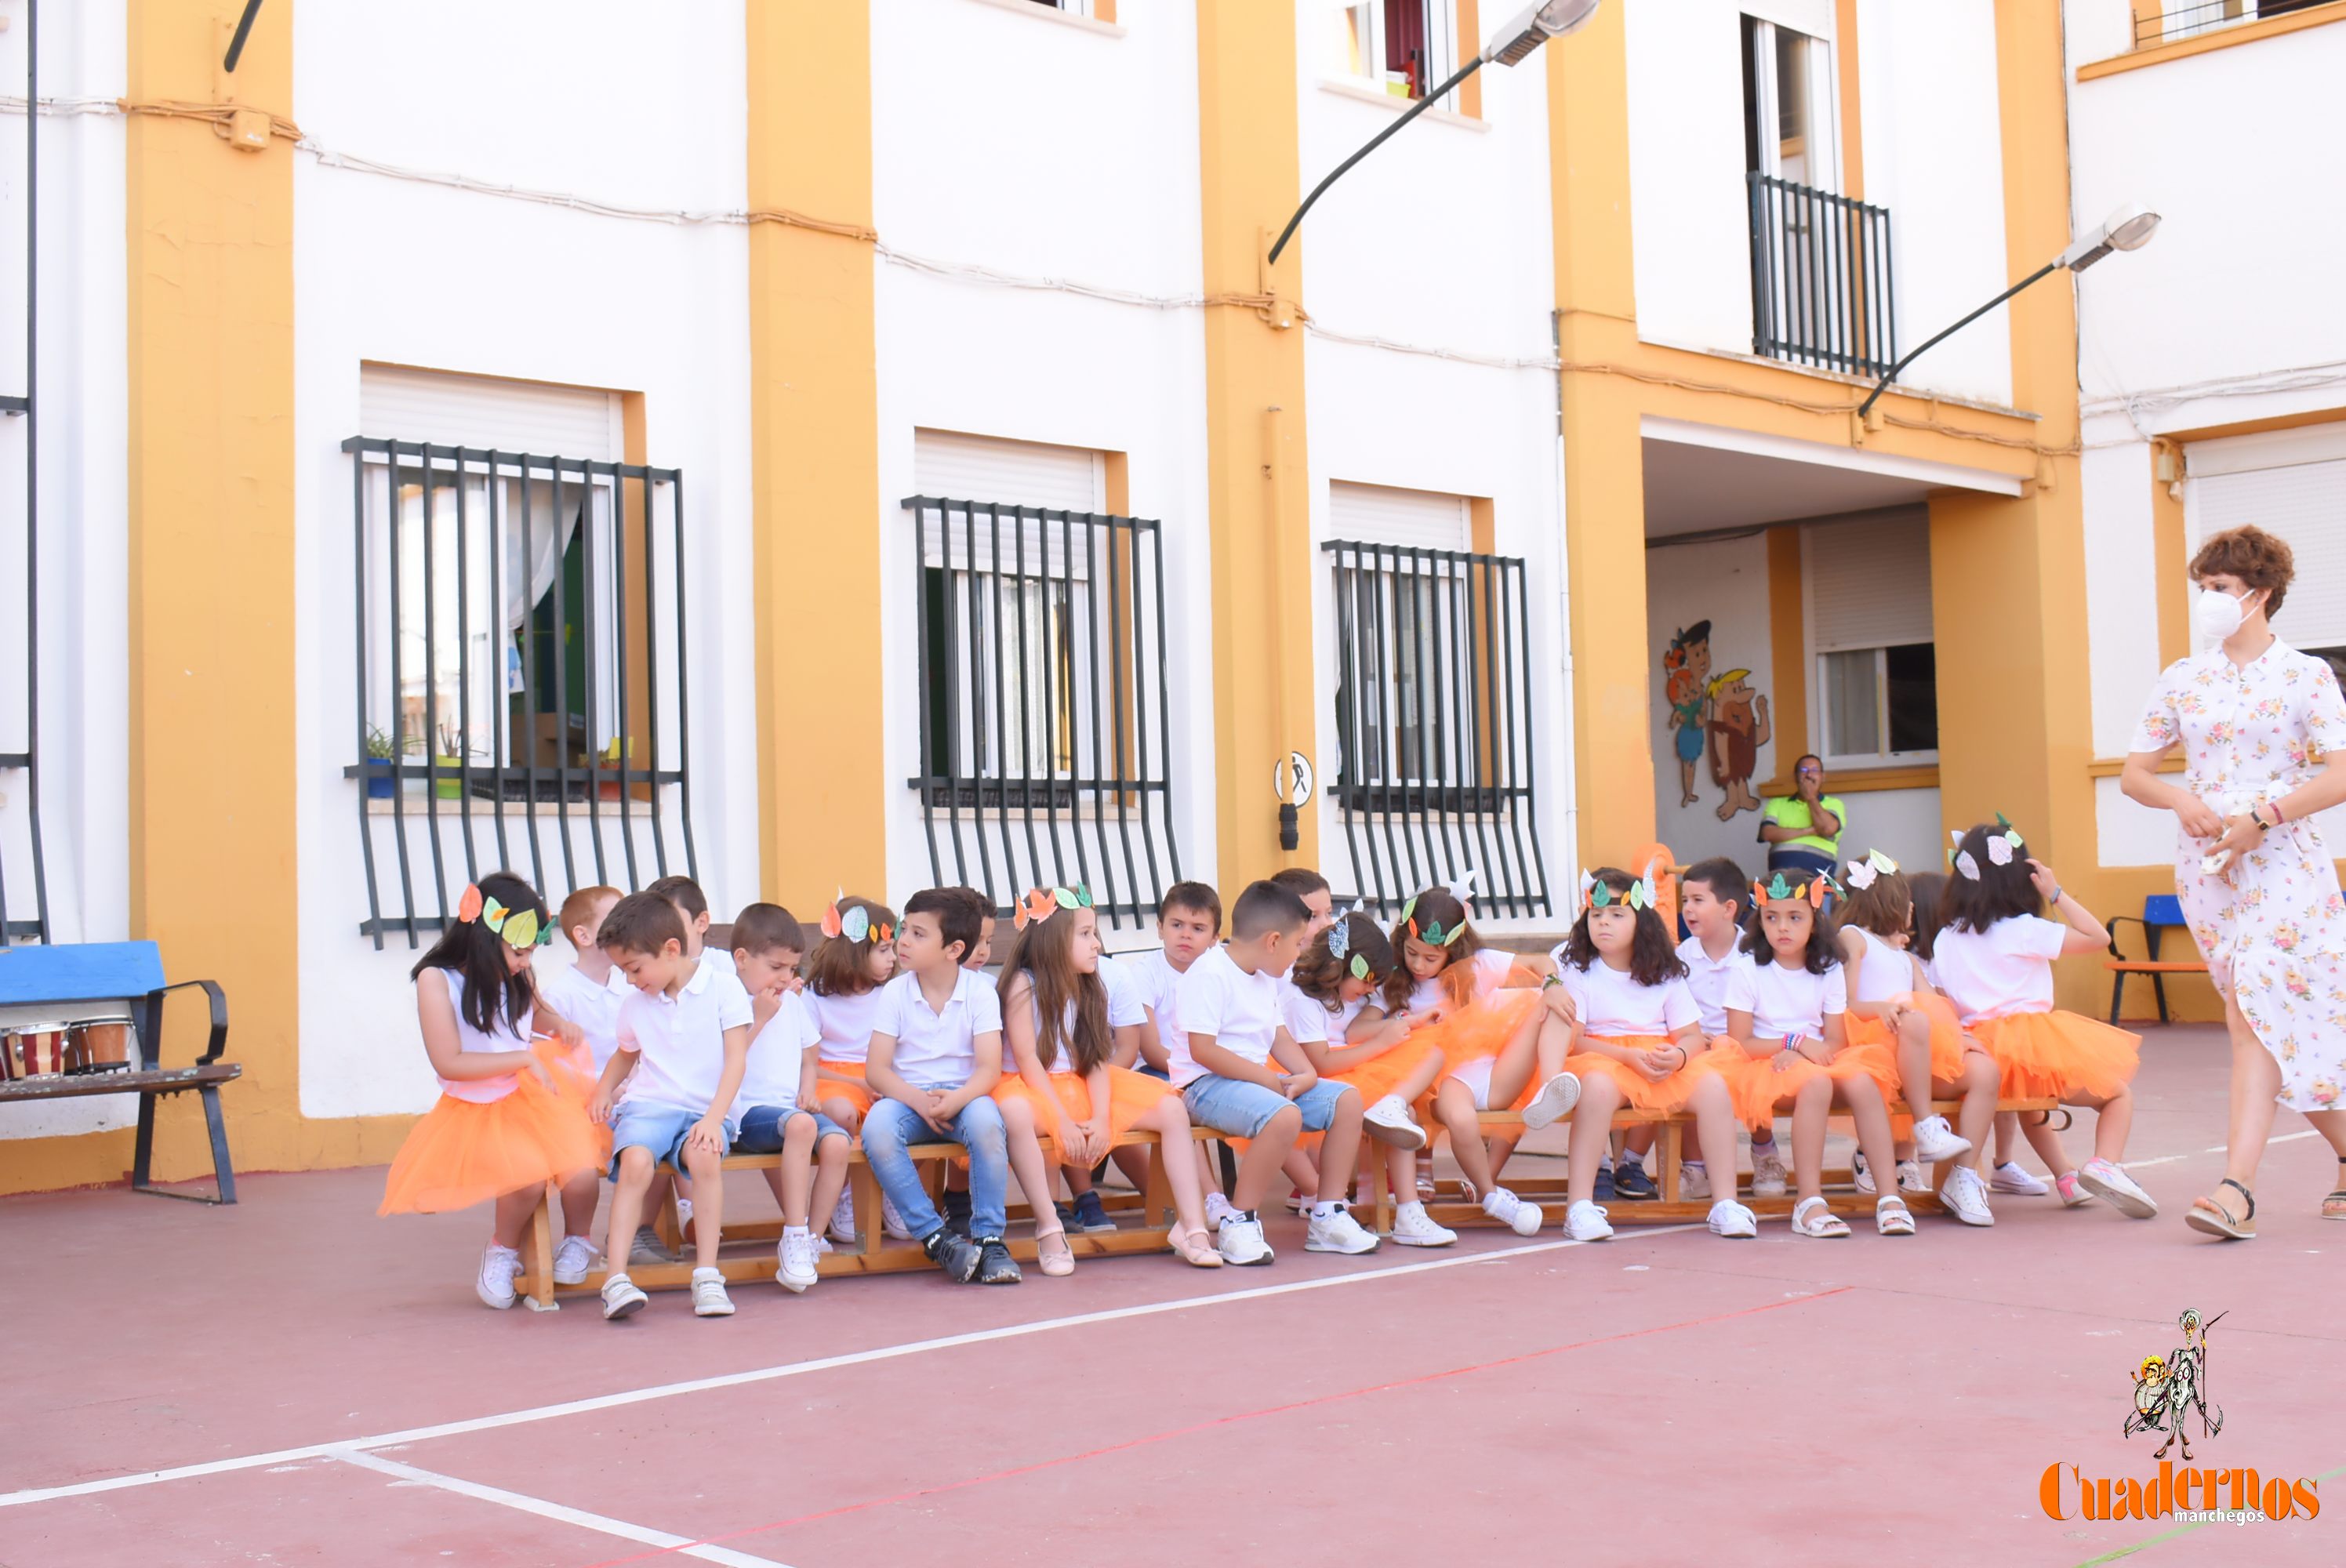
{"x":2220,"y":1148}
{"x":683,"y":1545}
{"x":766,"y":1374}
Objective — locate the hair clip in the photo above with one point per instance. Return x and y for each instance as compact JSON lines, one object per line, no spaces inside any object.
{"x":1463,"y":889}
{"x":1968,"y":866}
{"x":1819,"y":886}
{"x":1038,"y":905}
{"x":1653,"y":897}
{"x":468,"y":908}
{"x":1955,"y":836}
{"x":1359,"y":967}
{"x":1999,"y":849}
{"x":1078,"y":898}
{"x":520,"y":928}
{"x":1340,"y":939}
{"x":2004,"y":822}
{"x":1408,"y":910}
{"x":1596,"y":893}
{"x":1861,"y":873}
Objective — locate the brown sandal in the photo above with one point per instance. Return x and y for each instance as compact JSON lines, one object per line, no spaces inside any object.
{"x":2209,"y":1217}
{"x":2334,"y":1206}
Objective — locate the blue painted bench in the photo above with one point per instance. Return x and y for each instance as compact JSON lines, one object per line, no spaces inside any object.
{"x":2159,"y":909}
{"x":119,"y":980}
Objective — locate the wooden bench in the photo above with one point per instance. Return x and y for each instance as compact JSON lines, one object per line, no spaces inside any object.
{"x":874,"y":1253}
{"x":2159,"y":911}
{"x":94,"y":988}
{"x":1454,"y":1209}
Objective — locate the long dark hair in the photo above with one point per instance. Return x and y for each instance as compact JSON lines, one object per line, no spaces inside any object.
{"x":1929,"y":891}
{"x":1823,"y":953}
{"x":1044,"y":953}
{"x":1652,"y":959}
{"x":1319,"y":973}
{"x":471,"y":950}
{"x":1999,"y":892}
{"x":1435,"y":907}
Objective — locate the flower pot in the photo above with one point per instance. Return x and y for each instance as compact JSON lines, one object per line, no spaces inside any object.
{"x":445,"y":787}
{"x":382,"y":778}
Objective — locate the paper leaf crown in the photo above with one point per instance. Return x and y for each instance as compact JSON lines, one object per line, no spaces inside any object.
{"x":1862,"y":873}
{"x":521,"y":928}
{"x":1430,"y":933}
{"x":1780,"y":887}
{"x":2001,"y":847}
{"x":854,"y":925}
{"x":1041,"y":903}
{"x":1339,"y":942}
{"x":1596,"y":893}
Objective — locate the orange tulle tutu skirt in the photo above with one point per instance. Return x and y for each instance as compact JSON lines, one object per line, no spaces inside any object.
{"x":465,"y":1152}
{"x":1130,"y":1097}
{"x":854,"y":1090}
{"x":1759,"y":1089}
{"x":1382,"y":1074}
{"x":1638,"y":1092}
{"x":1947,"y":1044}
{"x":2058,"y":1055}
{"x":1484,"y":1027}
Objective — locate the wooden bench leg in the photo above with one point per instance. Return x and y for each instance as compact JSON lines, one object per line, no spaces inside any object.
{"x":869,"y":1228}
{"x":538,"y":1256}
{"x":1673,"y":1146}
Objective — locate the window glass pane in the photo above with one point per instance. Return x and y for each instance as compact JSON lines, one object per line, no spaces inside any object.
{"x":1913,"y":696}
{"x":1792,"y":106}
{"x":1852,"y":708}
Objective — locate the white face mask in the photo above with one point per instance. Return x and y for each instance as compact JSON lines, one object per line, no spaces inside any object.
{"x":2219,"y":615}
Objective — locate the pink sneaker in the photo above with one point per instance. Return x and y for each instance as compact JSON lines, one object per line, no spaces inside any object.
{"x":2072,"y":1195}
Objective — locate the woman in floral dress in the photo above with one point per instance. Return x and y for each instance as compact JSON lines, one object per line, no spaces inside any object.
{"x":2251,"y":715}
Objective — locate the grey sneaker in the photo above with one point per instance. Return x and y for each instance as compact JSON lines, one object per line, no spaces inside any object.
{"x":957,"y":1256}
{"x":621,"y":1298}
{"x":996,"y":1266}
{"x":648,"y":1248}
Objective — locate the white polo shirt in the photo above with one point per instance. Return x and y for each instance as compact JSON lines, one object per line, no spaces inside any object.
{"x":845,"y":1023}
{"x":594,"y":1008}
{"x":776,"y":1054}
{"x":1243,"y":1012}
{"x":1708,"y":978}
{"x":937,"y":1049}
{"x":682,"y":1040}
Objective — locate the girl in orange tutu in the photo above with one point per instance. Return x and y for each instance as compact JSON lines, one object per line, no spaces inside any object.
{"x":1636,"y":1039}
{"x":844,"y":974}
{"x":1788,"y":1044}
{"x":1054,"y":1023}
{"x":1995,"y":961}
{"x":514,"y":1078}
{"x":1337,"y":1018}
{"x":1502,"y":1024}
{"x":1892,"y":1006}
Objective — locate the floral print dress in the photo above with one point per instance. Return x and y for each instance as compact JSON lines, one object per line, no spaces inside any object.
{"x":2274,"y":931}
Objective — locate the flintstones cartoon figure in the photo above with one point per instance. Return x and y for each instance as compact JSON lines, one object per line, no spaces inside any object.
{"x":1738,"y":728}
{"x":2165,"y":1391}
{"x":1687,"y":668}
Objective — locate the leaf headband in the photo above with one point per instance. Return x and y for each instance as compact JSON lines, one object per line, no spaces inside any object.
{"x":521,"y":929}
{"x":1339,"y":942}
{"x":855,"y":925}
{"x":1779,"y":888}
{"x":2001,"y":847}
{"x":1430,"y":933}
{"x":1596,"y":893}
{"x":1861,"y":873}
{"x":1044,"y":903}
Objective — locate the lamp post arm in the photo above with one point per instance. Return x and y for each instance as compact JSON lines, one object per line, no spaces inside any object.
{"x":1415,"y":110}
{"x":1892,"y":373}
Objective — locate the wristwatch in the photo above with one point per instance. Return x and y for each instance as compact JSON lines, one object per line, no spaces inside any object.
{"x":2255,"y":815}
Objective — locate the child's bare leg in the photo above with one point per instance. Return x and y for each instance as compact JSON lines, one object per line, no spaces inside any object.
{"x":1027,"y":1164}
{"x":1592,"y":1123}
{"x":1976,"y":1088}
{"x":2007,"y":1132}
{"x":1207,"y":1176}
{"x":1453,"y":1107}
{"x":1810,"y":1106}
{"x":707,"y":1169}
{"x":830,"y":1180}
{"x":798,"y":1169}
{"x":1169,"y":1120}
{"x":1400,"y":1174}
{"x":579,"y":1195}
{"x":1266,"y":1151}
{"x":1133,"y":1161}
{"x":2047,"y":1144}
{"x":1299,"y":1169}
{"x":1500,"y":1147}
{"x":1863,"y":1095}
{"x":1714,"y":1132}
{"x":2113,"y":1120}
{"x":513,"y":1212}
{"x":1427,"y":1073}
{"x":1340,"y":1145}
{"x":629,"y":1190}
{"x":841,"y":1109}
{"x":1914,"y":1064}
{"x":1540,"y":1043}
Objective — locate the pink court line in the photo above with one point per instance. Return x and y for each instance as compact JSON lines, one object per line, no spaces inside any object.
{"x":1219,"y":1422}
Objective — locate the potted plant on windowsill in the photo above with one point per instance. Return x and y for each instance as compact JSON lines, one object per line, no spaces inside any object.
{"x":447,"y":763}
{"x":611,"y":786}
{"x":381,"y":764}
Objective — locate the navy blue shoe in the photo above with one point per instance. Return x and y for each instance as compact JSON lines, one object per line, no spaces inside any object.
{"x":1630,"y":1181}
{"x":1091,"y":1215}
{"x":1604,"y":1185}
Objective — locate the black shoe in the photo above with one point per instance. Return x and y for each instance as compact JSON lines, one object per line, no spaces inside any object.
{"x":996,"y":1266}
{"x":1090,"y":1214}
{"x":1630,"y":1181}
{"x":957,"y":1256}
{"x":957,"y":1213}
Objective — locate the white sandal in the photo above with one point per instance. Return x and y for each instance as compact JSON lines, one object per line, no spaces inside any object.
{"x":1812,"y":1218}
{"x":1892,"y":1217}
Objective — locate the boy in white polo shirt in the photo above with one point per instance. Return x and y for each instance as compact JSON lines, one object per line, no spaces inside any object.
{"x":1712,"y":899}
{"x":1240,"y":1073}
{"x":683,"y":1044}
{"x":775,"y":1111}
{"x":936,"y":1051}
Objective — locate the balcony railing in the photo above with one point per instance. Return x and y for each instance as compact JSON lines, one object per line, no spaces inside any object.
{"x":1822,"y":291}
{"x":2171,"y":23}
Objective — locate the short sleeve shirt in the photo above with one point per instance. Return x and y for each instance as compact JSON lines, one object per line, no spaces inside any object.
{"x":1708,"y":980}
{"x":681,"y":1039}
{"x":594,"y":1008}
{"x":1792,"y":811}
{"x":1242,"y":1012}
{"x":845,"y":1023}
{"x":2005,"y":969}
{"x":937,"y":1049}
{"x":1492,"y":967}
{"x":1611,"y":1005}
{"x":1787,"y":1004}
{"x":2247,"y":733}
{"x":776,"y":1052}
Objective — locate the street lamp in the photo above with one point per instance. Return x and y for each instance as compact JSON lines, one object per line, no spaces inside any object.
{"x":1518,"y":38}
{"x":2129,"y":228}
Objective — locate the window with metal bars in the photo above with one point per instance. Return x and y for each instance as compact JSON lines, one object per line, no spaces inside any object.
{"x":520,"y":675}
{"x":1043,"y":729}
{"x":1434,"y":758}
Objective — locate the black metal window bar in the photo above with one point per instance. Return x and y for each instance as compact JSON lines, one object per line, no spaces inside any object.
{"x":2173,"y":22}
{"x":521,"y":674}
{"x":1435,"y":770}
{"x":1044,"y":728}
{"x":1821,"y":288}
{"x":26,"y":762}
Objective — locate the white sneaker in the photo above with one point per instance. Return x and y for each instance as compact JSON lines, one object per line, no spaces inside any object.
{"x":1767,"y":1171}
{"x":1694,"y":1181}
{"x":893,"y":1222}
{"x":794,"y":1258}
{"x":1966,"y":1197}
{"x":1412,"y":1227}
{"x":1584,"y":1221}
{"x":1337,"y":1231}
{"x":1860,"y":1175}
{"x":2110,"y":1182}
{"x":1297,"y":1203}
{"x":843,"y":1218}
{"x":1239,"y":1242}
{"x":1523,"y":1218}
{"x":2010,"y":1177}
{"x":572,"y":1260}
{"x":620,"y":1296}
{"x":1911,"y":1177}
{"x":1553,"y":1103}
{"x":1392,"y":1116}
{"x":1935,"y":1141}
{"x":1218,"y":1209}
{"x":709,"y":1297}
{"x":499,"y":1268}
{"x":1729,"y":1217}
{"x":684,"y":1219}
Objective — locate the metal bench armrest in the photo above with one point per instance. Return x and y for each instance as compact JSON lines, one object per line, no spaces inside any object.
{"x":218,"y":998}
{"x":2115,"y":922}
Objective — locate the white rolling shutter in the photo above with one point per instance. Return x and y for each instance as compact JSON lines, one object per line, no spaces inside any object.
{"x":1381,"y":514}
{"x":1008,"y":472}
{"x":1869,"y":580}
{"x":484,"y":411}
{"x":2297,"y":490}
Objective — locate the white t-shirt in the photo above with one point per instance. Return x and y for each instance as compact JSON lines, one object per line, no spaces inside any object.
{"x":2005,"y":969}
{"x":1884,"y":971}
{"x":505,"y":1037}
{"x":1612,"y":1006}
{"x":1312,"y":1021}
{"x":1157,"y":984}
{"x":776,"y":1054}
{"x":937,"y":1049}
{"x":1708,"y":978}
{"x":1492,"y":967}
{"x":682,"y":1040}
{"x":1785,"y":1003}
{"x":845,"y":1023}
{"x":594,"y":1008}
{"x":1243,"y":1012}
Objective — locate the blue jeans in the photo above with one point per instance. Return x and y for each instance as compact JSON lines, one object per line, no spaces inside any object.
{"x":662,"y":1129}
{"x":891,"y":1126}
{"x":763,"y":1127}
{"x":1243,"y":1109}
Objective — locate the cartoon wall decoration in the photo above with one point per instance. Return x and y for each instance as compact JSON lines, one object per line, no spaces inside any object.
{"x":1687,"y":666}
{"x":1738,"y":727}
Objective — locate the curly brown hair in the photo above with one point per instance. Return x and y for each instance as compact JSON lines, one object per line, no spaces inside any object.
{"x":1319,"y":973}
{"x":2257,"y":558}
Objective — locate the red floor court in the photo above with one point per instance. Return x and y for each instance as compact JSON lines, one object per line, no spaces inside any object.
{"x":295,"y":1381}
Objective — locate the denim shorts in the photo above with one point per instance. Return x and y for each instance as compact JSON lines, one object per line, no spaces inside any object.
{"x":1242,"y":1110}
{"x":1159,"y":1074}
{"x":763,"y":1127}
{"x":661,"y":1129}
